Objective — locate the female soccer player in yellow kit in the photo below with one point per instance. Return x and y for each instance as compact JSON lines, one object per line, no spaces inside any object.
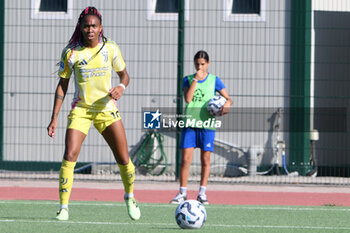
{"x":91,"y":57}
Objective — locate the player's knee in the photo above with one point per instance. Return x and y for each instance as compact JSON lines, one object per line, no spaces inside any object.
{"x":205,"y":162}
{"x":71,"y":156}
{"x":122,"y":160}
{"x":186,"y":162}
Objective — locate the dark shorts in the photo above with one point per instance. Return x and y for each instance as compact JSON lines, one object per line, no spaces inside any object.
{"x":197,"y":138}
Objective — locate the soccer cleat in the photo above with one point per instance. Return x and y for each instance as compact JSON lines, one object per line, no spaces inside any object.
{"x":203,"y":199}
{"x":62,"y":215}
{"x":133,"y":209}
{"x":179,"y":198}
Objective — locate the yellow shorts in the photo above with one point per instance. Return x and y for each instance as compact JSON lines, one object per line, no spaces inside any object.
{"x":81,"y":119}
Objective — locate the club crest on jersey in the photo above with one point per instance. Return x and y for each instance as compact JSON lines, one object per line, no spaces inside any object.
{"x":83,"y":62}
{"x":105,"y":55}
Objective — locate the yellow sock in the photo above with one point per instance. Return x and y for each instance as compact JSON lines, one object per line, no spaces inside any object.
{"x":66,"y":181}
{"x":127,"y":172}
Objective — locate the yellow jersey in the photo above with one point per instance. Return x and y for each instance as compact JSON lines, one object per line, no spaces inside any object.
{"x":92,"y":74}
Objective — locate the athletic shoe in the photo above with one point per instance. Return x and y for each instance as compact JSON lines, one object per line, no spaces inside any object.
{"x":133,"y":209}
{"x":62,"y":215}
{"x":203,"y":199}
{"x":179,"y":198}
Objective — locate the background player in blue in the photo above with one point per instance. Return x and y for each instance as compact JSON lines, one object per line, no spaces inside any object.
{"x":199,"y":88}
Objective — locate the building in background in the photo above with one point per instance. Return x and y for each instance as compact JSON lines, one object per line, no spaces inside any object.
{"x":270,"y":54}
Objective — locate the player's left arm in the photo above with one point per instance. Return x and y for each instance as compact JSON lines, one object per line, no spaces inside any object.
{"x":227,"y":105}
{"x":220,"y":87}
{"x":117,"y":92}
{"x":118,"y":65}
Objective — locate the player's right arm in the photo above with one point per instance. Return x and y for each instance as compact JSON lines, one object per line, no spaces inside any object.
{"x":64,"y":72}
{"x":60,"y":93}
{"x":189,"y":89}
{"x":189,"y":92}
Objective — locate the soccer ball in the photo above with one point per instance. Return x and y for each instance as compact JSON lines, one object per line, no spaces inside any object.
{"x":215,"y":104}
{"x":190,"y":214}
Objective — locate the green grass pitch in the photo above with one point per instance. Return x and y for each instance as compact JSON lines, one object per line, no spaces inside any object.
{"x":38,"y":216}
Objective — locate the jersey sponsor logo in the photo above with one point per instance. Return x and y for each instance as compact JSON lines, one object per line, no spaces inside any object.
{"x":95,"y":74}
{"x":93,"y":70}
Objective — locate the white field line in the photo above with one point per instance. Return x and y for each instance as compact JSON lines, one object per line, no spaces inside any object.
{"x":239,"y":207}
{"x":167,"y":224}
{"x":330,"y":228}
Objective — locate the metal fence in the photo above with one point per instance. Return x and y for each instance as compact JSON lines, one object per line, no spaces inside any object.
{"x":284,"y":63}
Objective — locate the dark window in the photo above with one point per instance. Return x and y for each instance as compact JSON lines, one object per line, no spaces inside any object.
{"x":53,"y":5}
{"x":167,"y":6}
{"x":246,"y":7}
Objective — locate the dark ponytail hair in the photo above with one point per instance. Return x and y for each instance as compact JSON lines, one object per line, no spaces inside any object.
{"x":201,"y":54}
{"x":77,"y":35}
